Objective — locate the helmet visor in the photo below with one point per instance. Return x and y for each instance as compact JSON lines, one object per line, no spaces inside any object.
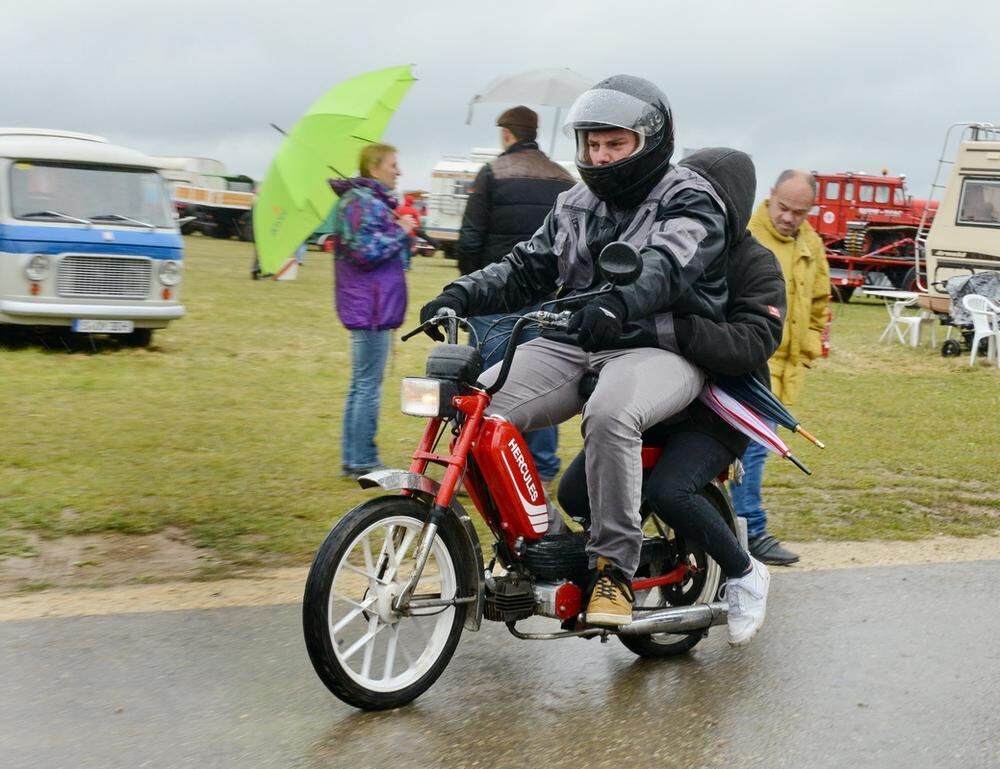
{"x":605,"y":108}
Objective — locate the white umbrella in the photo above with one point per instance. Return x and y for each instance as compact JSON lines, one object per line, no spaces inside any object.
{"x":548,"y":87}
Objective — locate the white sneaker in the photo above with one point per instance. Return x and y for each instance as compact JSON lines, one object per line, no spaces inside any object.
{"x":747,"y":597}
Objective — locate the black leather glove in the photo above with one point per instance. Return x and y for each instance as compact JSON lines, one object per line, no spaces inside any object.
{"x":598,"y":325}
{"x":451,"y":299}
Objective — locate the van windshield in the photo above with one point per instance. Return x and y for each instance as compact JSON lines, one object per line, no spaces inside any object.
{"x":126,"y":197}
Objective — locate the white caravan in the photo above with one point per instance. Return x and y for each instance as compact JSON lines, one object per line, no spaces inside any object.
{"x":965,"y":236}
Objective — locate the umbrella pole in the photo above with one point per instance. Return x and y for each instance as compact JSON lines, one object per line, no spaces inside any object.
{"x":555,"y":128}
{"x":808,"y":436}
{"x":789,"y":456}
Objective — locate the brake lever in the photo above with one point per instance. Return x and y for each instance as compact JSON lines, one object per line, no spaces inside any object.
{"x":418,"y":330}
{"x":445,"y":314}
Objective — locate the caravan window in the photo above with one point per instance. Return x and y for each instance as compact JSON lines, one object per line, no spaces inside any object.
{"x":865,"y":193}
{"x":881,"y":194}
{"x":832,"y":190}
{"x":849,"y":191}
{"x":980,"y":202}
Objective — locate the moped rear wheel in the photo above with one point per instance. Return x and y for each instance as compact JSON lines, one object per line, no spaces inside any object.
{"x":368,"y":654}
{"x":701,"y":587}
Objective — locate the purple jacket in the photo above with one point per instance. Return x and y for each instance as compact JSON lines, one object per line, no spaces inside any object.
{"x":371,"y":252}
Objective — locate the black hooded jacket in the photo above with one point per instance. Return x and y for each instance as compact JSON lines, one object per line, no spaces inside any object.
{"x":755,"y":312}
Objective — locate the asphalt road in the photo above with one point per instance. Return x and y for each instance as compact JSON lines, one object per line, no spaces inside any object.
{"x":877,"y":667}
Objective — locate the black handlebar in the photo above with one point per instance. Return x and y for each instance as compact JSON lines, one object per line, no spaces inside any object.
{"x":542,"y":318}
{"x":619,"y":263}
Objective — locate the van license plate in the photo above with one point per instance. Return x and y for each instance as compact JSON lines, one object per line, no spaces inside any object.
{"x":94,"y":326}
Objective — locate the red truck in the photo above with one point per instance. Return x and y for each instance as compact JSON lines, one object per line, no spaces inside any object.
{"x":868,"y":223}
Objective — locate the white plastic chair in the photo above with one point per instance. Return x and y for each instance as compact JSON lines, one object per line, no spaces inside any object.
{"x":984,"y":324}
{"x":905,"y":327}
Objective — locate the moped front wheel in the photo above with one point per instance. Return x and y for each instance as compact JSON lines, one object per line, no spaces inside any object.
{"x":367,"y":653}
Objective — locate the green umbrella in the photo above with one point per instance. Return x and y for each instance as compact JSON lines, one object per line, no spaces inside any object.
{"x":295,"y":195}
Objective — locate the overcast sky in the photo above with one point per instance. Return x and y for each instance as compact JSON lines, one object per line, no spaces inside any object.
{"x":823,"y":86}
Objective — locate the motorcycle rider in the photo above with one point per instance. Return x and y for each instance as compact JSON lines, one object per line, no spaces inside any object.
{"x":630,"y":191}
{"x":700,"y":446}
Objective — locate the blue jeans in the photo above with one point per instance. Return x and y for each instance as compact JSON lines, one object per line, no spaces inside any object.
{"x":747,"y":497}
{"x":369,"y":350}
{"x":544,"y":443}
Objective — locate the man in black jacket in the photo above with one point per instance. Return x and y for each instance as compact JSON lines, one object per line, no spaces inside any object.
{"x":701,"y":445}
{"x":511,"y":194}
{"x":507,"y":204}
{"x":630,"y":192}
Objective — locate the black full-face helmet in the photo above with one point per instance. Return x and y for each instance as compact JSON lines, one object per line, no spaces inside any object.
{"x":623,"y":101}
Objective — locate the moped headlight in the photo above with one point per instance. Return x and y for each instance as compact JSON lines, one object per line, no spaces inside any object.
{"x":170,"y":273}
{"x":37,"y":268}
{"x":421,"y":397}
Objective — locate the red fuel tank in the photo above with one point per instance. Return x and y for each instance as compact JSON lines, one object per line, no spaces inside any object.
{"x":509,"y":469}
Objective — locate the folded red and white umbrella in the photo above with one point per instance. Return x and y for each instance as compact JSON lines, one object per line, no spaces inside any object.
{"x":747,"y":421}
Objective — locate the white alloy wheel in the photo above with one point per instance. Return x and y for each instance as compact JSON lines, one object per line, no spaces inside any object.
{"x":367,"y":653}
{"x":378,"y":648}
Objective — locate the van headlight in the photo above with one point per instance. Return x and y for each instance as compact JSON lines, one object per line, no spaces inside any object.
{"x":37,"y":268}
{"x":421,"y":397}
{"x":170,"y":273}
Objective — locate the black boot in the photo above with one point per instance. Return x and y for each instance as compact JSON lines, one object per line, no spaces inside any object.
{"x":767,"y":549}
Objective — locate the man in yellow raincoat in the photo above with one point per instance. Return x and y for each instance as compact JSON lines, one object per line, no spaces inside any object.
{"x":780,"y":224}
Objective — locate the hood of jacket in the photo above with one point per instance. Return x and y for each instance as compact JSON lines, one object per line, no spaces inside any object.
{"x":732,"y":174}
{"x":383,"y":193}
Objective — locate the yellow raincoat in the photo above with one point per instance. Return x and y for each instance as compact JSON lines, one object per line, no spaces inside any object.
{"x":807,"y":289}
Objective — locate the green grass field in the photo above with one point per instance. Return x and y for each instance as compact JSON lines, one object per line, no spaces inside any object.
{"x":228,"y":427}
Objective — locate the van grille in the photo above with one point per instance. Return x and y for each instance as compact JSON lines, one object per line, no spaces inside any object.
{"x":104,"y":276}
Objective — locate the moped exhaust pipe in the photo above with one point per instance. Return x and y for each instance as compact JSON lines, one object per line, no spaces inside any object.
{"x":679,"y":619}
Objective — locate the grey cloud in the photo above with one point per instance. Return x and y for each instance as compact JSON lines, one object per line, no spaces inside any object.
{"x":838,"y":86}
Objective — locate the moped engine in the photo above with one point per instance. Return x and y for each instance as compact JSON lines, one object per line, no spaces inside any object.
{"x":514,"y":597}
{"x":509,"y":598}
{"x":558,"y":556}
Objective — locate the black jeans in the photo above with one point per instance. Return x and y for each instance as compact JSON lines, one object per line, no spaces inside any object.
{"x":690,"y":460}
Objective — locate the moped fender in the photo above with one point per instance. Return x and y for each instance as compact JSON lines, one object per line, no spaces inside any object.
{"x":470,"y":560}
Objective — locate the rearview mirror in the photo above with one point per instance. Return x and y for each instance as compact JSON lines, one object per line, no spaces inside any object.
{"x":619,"y":263}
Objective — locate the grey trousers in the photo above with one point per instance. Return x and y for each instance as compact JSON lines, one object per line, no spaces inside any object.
{"x":637,"y":388}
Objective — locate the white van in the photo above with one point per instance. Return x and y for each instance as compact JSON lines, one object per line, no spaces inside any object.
{"x":88,"y":236}
{"x":965,"y":236}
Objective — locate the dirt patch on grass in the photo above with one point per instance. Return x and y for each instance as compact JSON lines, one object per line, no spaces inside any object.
{"x":110,"y":574}
{"x":102,"y":560}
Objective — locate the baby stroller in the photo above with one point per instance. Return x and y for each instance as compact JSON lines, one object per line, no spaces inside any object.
{"x":983,"y":283}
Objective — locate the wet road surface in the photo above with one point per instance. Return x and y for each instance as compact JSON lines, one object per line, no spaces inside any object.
{"x":877,"y":667}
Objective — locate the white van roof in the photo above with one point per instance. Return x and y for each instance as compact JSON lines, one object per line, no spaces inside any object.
{"x":68,"y":146}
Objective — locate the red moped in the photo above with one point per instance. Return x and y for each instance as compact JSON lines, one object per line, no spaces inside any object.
{"x":400,"y":576}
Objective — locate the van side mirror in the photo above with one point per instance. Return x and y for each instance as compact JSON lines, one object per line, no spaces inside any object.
{"x":619,"y":263}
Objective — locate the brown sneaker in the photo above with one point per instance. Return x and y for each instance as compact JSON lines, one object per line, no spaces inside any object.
{"x":611,"y":599}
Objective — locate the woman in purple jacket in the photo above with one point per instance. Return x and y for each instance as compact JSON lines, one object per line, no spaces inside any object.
{"x":370,"y":253}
